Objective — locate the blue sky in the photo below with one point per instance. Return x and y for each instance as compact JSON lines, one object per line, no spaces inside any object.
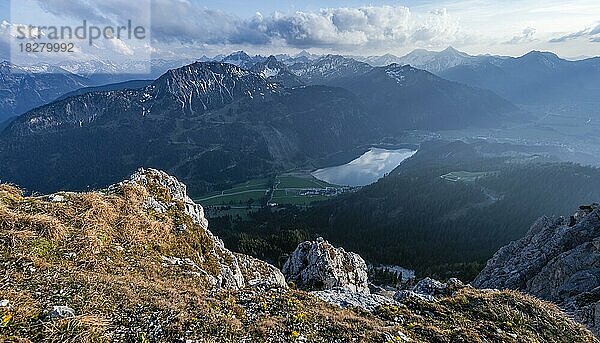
{"x":570,"y":28}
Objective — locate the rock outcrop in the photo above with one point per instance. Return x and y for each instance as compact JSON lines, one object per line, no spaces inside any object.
{"x":165,"y":192}
{"x":427,"y":290}
{"x":430,"y":290}
{"x":344,"y":298}
{"x":173,"y":190}
{"x":260,"y":274}
{"x":164,"y":195}
{"x":317,"y":266}
{"x":558,"y":260}
{"x":340,"y":278}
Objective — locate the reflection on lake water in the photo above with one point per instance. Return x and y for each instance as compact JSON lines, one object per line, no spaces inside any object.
{"x":366,"y":169}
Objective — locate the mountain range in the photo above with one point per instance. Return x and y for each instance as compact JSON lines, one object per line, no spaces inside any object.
{"x":536,"y":78}
{"x":22,"y":90}
{"x":207,"y":122}
{"x":432,"y":61}
{"x":275,"y":70}
{"x":260,"y":117}
{"x":213,"y":123}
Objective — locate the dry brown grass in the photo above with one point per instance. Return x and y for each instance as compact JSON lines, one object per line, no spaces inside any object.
{"x":79,"y":329}
{"x":10,"y":193}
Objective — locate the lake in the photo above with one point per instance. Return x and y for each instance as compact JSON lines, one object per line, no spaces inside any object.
{"x":366,"y":169}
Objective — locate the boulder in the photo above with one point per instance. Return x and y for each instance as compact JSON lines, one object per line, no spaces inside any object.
{"x":344,"y":298}
{"x":429,"y":286}
{"x":260,"y":274}
{"x":317,"y":266}
{"x":405,"y":295}
{"x":429,"y":290}
{"x":59,"y":312}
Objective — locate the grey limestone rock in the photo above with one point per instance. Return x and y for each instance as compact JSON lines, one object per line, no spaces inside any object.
{"x":317,"y":266}
{"x":558,"y":260}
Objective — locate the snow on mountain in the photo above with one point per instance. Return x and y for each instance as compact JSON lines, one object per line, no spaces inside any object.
{"x":397,"y":74}
{"x":436,"y":62}
{"x":379,"y":61}
{"x":274,"y":70}
{"x":329,"y":68}
{"x":23,"y":88}
{"x":242,"y":59}
{"x":88,"y":68}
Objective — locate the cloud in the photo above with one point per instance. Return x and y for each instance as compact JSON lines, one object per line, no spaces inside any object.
{"x":341,"y":26}
{"x":190,"y":22}
{"x":438,"y":28}
{"x":526,"y":36}
{"x":591,"y":33}
{"x":118,"y":46}
{"x":365,"y":26}
{"x":99,"y":12}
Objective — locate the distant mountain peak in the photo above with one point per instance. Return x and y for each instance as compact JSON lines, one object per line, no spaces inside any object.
{"x":338,"y":59}
{"x":275,"y":70}
{"x":451,"y":49}
{"x":543,"y":58}
{"x":436,"y":61}
{"x":304,"y":53}
{"x":241,"y":59}
{"x":398,"y":66}
{"x":215,"y":67}
{"x":207,"y":71}
{"x":203,"y":86}
{"x":239,"y":54}
{"x":542,"y":54}
{"x":400,"y":73}
{"x":332,"y":56}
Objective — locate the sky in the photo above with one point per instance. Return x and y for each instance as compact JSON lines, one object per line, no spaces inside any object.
{"x":192,"y":28}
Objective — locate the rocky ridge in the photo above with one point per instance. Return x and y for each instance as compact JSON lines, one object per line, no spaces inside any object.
{"x":558,"y":260}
